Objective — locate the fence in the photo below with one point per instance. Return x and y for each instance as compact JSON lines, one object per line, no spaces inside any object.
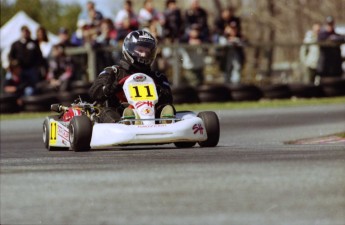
{"x":265,"y":63}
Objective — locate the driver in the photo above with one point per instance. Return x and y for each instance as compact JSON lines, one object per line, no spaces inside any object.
{"x":138,"y":53}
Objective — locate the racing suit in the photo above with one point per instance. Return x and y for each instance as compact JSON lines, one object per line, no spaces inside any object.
{"x":105,"y":86}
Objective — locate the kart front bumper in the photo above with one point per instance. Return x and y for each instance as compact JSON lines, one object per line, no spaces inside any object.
{"x":107,"y":134}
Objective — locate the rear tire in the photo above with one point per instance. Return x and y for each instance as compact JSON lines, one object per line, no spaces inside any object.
{"x":80,"y":133}
{"x":211,"y":123}
{"x":46,"y":134}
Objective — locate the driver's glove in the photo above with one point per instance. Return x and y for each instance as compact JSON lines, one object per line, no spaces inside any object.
{"x":111,"y":88}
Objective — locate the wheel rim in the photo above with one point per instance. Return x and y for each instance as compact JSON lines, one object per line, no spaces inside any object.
{"x":71,"y":134}
{"x":44,"y":133}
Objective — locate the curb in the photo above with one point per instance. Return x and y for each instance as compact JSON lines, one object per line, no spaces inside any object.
{"x":332,"y":139}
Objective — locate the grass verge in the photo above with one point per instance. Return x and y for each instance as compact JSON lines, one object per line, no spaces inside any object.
{"x":263,"y":104}
{"x":214,"y":106}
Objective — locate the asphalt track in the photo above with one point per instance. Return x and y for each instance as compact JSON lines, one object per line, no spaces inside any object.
{"x":252,"y":177}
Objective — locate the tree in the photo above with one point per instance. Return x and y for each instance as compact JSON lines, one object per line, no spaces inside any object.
{"x":50,"y":14}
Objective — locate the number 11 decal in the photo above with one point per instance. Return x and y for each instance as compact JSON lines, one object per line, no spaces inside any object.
{"x":142,"y":92}
{"x":148,"y":91}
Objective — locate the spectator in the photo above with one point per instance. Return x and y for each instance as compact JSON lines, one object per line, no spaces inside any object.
{"x":85,"y":34}
{"x":89,"y":35}
{"x":95,"y":17}
{"x":13,"y":84}
{"x":77,"y":38}
{"x":125,"y":16}
{"x":64,"y":38}
{"x":91,"y":16}
{"x":155,"y":28}
{"x":123,"y":31}
{"x":106,"y":37}
{"x":193,"y":57}
{"x":61,"y":69}
{"x":329,"y":63}
{"x":107,"y":34}
{"x":197,"y":15}
{"x":148,"y":15}
{"x":310,"y":53}
{"x":234,"y":54}
{"x":173,"y":21}
{"x":88,"y":25}
{"x":43,"y":42}
{"x":45,"y":46}
{"x":29,"y":57}
{"x":227,"y":16}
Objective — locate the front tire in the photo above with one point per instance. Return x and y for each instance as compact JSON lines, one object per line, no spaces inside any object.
{"x":80,"y":133}
{"x":184,"y":144}
{"x":211,"y":123}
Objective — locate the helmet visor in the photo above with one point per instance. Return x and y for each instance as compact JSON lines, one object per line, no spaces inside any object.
{"x":144,"y":52}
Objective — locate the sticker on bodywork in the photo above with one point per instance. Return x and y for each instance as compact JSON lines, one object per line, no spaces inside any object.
{"x":141,"y":92}
{"x":53,"y":133}
{"x":197,"y":128}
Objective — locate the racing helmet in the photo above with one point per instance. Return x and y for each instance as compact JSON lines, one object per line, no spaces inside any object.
{"x":139,"y":48}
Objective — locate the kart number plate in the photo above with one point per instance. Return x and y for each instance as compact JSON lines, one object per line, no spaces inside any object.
{"x":140,"y":92}
{"x":53,"y":133}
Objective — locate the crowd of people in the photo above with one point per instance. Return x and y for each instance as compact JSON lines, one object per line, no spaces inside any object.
{"x":33,"y":62}
{"x":36,"y":65}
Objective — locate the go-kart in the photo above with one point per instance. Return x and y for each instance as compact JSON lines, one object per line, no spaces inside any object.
{"x":77,"y":126}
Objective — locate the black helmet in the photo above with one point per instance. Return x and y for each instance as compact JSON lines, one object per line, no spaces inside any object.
{"x":139,"y":48}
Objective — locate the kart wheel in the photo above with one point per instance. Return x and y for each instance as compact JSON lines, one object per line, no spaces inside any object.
{"x":46,"y":134}
{"x":80,"y":132}
{"x":184,"y":144}
{"x":211,"y":123}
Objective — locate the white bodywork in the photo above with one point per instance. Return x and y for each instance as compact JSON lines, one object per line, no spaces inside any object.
{"x":59,"y":134}
{"x":140,"y":91}
{"x":189,"y":129}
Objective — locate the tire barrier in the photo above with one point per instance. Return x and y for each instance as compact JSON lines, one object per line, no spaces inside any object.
{"x":66,"y":98}
{"x":333,"y":87}
{"x":42,"y":102}
{"x":243,"y":92}
{"x":80,"y":84}
{"x":276,"y":91}
{"x":306,"y":91}
{"x":39,"y":103}
{"x":185,"y":94}
{"x":8,"y":103}
{"x":82,"y":93}
{"x":214,"y":93}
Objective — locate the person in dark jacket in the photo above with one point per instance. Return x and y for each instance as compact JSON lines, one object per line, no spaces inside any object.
{"x":173,"y":21}
{"x":139,"y":52}
{"x":195,"y":14}
{"x":27,"y":53}
{"x":330,"y":60}
{"x":227,"y":17}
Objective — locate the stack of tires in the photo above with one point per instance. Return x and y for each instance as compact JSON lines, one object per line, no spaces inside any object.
{"x":306,"y":90}
{"x":78,"y":89}
{"x":276,"y":91}
{"x":8,"y":103}
{"x":245,"y":92}
{"x":39,"y":103}
{"x":214,"y":93}
{"x":42,"y":102}
{"x":333,"y":86}
{"x":184,"y":94}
